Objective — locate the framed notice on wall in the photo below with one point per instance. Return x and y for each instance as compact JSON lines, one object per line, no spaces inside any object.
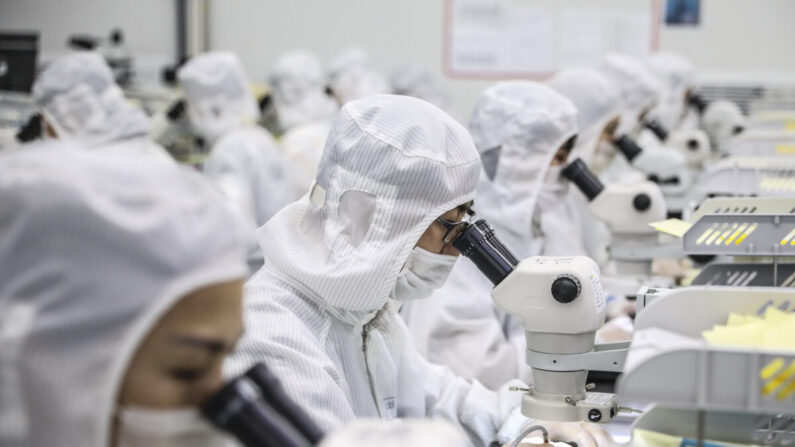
{"x":497,"y":39}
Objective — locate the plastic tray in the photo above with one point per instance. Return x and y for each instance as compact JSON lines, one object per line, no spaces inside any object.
{"x":746,"y":275}
{"x":742,"y":234}
{"x":747,"y":176}
{"x":738,"y":428}
{"x":708,"y":377}
{"x":763,"y":143}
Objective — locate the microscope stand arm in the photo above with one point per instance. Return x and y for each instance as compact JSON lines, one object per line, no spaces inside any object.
{"x":604,"y":357}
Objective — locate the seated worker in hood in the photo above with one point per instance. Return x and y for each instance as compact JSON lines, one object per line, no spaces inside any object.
{"x":352,"y":76}
{"x":640,"y":92}
{"x":523,"y":131}
{"x":303,"y":108}
{"x":322,"y":312}
{"x":81,"y":102}
{"x":599,"y":105}
{"x":244,"y":161}
{"x":120,"y":295}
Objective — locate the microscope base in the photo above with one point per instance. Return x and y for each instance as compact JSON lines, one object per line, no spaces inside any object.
{"x":595,"y":407}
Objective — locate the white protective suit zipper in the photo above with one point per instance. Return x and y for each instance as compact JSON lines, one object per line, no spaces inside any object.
{"x":365,"y":338}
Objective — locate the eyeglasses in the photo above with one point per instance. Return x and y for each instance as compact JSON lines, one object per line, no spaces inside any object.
{"x":455,"y":228}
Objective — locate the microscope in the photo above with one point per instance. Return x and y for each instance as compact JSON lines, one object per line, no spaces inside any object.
{"x":673,"y":170}
{"x":724,"y":122}
{"x":257,"y":411}
{"x":693,"y":144}
{"x":662,"y":166}
{"x":627,"y":210}
{"x":113,"y":49}
{"x":560,"y":303}
{"x":721,"y":120}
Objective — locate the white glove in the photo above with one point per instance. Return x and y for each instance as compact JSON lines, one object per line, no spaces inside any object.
{"x":616,"y":330}
{"x":584,"y":434}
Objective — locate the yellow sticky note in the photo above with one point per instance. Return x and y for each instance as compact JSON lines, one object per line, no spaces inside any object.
{"x":785,"y":149}
{"x":739,"y":320}
{"x":780,"y":336}
{"x":774,"y":330}
{"x":674,"y":227}
{"x":773,"y":315}
{"x":746,"y":335}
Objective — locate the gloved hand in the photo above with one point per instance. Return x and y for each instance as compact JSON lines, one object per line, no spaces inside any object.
{"x":584,"y":434}
{"x":615,"y":330}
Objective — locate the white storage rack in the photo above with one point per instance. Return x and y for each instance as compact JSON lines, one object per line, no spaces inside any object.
{"x":710,"y":392}
{"x":702,"y":391}
{"x":745,"y":177}
{"x":752,"y":229}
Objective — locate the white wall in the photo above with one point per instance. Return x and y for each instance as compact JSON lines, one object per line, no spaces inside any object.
{"x":394,"y":32}
{"x":736,"y":37}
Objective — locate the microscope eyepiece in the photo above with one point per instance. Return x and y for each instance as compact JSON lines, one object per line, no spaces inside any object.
{"x":479,"y":243}
{"x":629,"y":148}
{"x":176,"y":111}
{"x":698,"y":102}
{"x":273,"y":392}
{"x":31,"y":130}
{"x":587,"y":182}
{"x":657,"y":129}
{"x":255,"y":409}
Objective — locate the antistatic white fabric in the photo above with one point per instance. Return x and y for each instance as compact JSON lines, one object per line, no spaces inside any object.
{"x":81,"y":101}
{"x":352,"y":76}
{"x":459,"y":326}
{"x":319,"y":311}
{"x":675,"y":74}
{"x":518,"y":126}
{"x":721,"y":122}
{"x":94,"y":249}
{"x":303,"y":146}
{"x":298,"y":89}
{"x":249,"y":169}
{"x":244,"y":161}
{"x":217,"y":94}
{"x":639,"y":89}
{"x":597,"y":101}
{"x":417,"y":80}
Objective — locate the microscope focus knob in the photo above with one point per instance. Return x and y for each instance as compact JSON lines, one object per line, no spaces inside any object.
{"x":641,"y":202}
{"x":565,"y":288}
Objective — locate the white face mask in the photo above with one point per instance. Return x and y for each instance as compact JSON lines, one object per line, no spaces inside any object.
{"x":139,"y":427}
{"x":423,"y":273}
{"x":554,"y":188}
